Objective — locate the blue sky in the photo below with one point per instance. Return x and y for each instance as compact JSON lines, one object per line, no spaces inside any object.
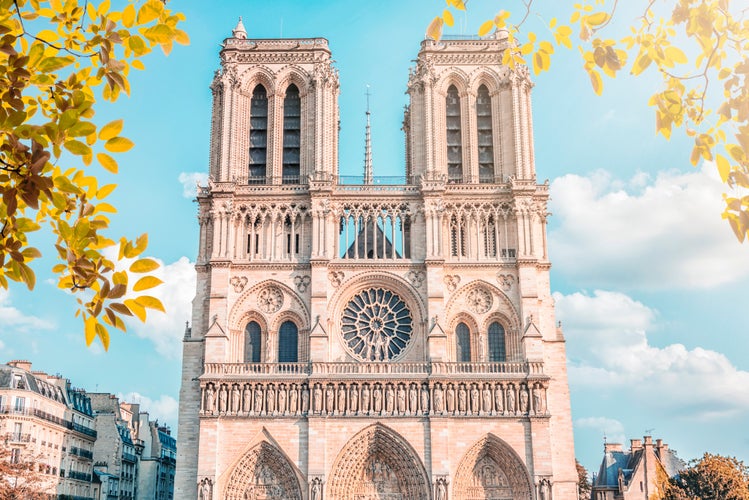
{"x":647,"y":278}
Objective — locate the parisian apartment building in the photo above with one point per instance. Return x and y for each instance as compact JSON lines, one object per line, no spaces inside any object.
{"x":81,"y":445}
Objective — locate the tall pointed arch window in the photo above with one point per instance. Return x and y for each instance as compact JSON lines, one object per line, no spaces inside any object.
{"x":490,"y":236}
{"x":288,"y":342}
{"x":462,"y":343}
{"x":454,"y":140}
{"x":484,"y":127}
{"x":497,"y":351}
{"x":292,"y":117}
{"x":258,"y":135}
{"x":252,"y":343}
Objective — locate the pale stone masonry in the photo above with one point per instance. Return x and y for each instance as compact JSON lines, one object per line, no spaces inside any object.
{"x":373,"y":338}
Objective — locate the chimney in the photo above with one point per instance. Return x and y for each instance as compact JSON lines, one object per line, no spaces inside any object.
{"x":20,"y":363}
{"x":648,"y":441}
{"x":611,"y":447}
{"x":635,"y":445}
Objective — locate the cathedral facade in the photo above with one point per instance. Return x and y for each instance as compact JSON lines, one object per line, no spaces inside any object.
{"x":373,"y":338}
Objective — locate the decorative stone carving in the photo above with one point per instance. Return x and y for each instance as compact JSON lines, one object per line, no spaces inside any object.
{"x":316,"y":489}
{"x":263,"y":473}
{"x":238,"y":282}
{"x":505,"y":281}
{"x":336,"y":278}
{"x":270,"y":299}
{"x":416,"y":278}
{"x":480,"y":300}
{"x":302,"y":283}
{"x":440,"y":488}
{"x":205,"y":489}
{"x":451,"y":282}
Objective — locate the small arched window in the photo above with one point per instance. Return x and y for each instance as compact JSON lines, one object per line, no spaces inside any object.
{"x":484,"y":126}
{"x":258,"y":135}
{"x":252,"y":343}
{"x":497,"y":351}
{"x":292,"y":117}
{"x":463,"y":342}
{"x":454,"y":140}
{"x":288,"y":342}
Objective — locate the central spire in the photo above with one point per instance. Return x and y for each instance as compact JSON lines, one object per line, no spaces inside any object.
{"x":368,"y":148}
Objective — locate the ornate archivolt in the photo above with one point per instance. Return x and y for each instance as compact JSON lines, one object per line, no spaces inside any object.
{"x":378,"y":463}
{"x":263,"y":473}
{"x":490,"y":469}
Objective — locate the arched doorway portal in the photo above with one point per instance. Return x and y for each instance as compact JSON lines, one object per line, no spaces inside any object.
{"x":491,"y":470}
{"x":378,"y":464}
{"x":263,"y":473}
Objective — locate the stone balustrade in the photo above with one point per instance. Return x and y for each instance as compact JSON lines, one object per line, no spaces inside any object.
{"x":374,"y":389}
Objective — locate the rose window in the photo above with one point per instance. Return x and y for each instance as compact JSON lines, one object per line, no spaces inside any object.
{"x":376,"y":325}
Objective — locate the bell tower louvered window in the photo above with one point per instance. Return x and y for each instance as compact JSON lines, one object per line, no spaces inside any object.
{"x":258,"y":136}
{"x":484,"y":126}
{"x":288,"y":342}
{"x":454,"y":140}
{"x":497,"y":351}
{"x":292,"y":116}
{"x":463,"y":343}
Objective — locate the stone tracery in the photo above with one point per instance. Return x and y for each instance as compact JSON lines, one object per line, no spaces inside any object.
{"x":263,"y":473}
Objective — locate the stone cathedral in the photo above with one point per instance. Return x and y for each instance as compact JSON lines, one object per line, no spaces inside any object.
{"x":368,"y":338}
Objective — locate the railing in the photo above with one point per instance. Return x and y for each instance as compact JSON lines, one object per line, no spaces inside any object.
{"x":353,"y":368}
{"x":81,"y":476}
{"x":17,"y":437}
{"x":387,"y":180}
{"x":128,"y":457}
{"x":5,"y":409}
{"x":81,"y":452}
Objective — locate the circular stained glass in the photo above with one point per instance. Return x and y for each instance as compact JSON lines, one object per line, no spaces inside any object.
{"x":376,"y":325}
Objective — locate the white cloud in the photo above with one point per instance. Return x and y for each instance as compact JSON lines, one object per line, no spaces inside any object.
{"x":661,"y":233}
{"x":13,"y":317}
{"x":164,"y":409}
{"x":190,"y":180}
{"x":609,"y":353}
{"x":611,"y":428}
{"x":167,"y":330}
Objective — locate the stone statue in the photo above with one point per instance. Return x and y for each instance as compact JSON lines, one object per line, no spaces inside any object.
{"x":413,"y":399}
{"x":293,"y":398}
{"x":450,"y":399}
{"x":341,"y":399}
{"x":441,"y":490}
{"x":523,"y":399}
{"x":482,"y":348}
{"x":270,"y":398}
{"x":305,"y":398}
{"x":353,"y":399}
{"x":486,"y":395}
{"x":438,"y":399}
{"x":365,"y":399}
{"x":246,"y":401}
{"x":544,"y":490}
{"x":462,"y":398}
{"x":258,"y":399}
{"x":424,"y":399}
{"x":377,"y":395}
{"x":498,"y":399}
{"x":205,"y":491}
{"x":538,"y":400}
{"x":209,"y":398}
{"x":222,"y":399}
{"x":475,"y":401}
{"x":389,"y":399}
{"x":235,"y":399}
{"x":510,"y":399}
{"x":316,"y":489}
{"x":318,"y":399}
{"x":329,"y":399}
{"x":401,"y":400}
{"x":282,"y":400}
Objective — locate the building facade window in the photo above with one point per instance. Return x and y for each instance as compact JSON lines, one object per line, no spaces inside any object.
{"x":497,"y":350}
{"x":288,"y":342}
{"x":485,"y":142}
{"x":454,"y":139}
{"x":292,"y":117}
{"x":463,"y":343}
{"x":252,"y":343}
{"x":258,"y":136}
{"x":20,"y":404}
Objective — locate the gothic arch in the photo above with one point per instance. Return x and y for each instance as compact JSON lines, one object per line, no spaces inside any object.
{"x":486,"y":77}
{"x":453,"y":76}
{"x":491,"y":469}
{"x":247,"y":305}
{"x":264,"y":472}
{"x":249,"y":79}
{"x":293,"y":74}
{"x":378,"y":461}
{"x":473,"y":327}
{"x":501,"y":304}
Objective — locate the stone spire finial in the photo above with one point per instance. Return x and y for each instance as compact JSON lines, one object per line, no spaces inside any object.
{"x":239,"y":31}
{"x":368,"y":148}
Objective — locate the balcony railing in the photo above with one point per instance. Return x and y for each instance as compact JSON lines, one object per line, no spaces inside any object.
{"x":6,"y":409}
{"x":80,"y":476}
{"x":17,"y":437}
{"x":81,"y":452}
{"x":128,"y":457}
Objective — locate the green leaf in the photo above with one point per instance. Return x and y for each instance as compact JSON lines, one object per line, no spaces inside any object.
{"x":77,"y":147}
{"x":50,"y":64}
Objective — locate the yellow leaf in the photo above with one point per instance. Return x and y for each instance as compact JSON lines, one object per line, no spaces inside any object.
{"x":595,"y":80}
{"x":89,"y":329}
{"x":724,"y":168}
{"x":77,"y":147}
{"x":50,"y":64}
{"x":486,"y":28}
{"x":138,"y":310}
{"x":676,"y":55}
{"x":103,"y":334}
{"x":458,"y":4}
{"x":150,"y":303}
{"x":128,"y":16}
{"x":161,"y":33}
{"x":137,"y":64}
{"x":110,"y":130}
{"x":448,"y":17}
{"x":597,"y":19}
{"x":118,"y":144}
{"x":149,"y":11}
{"x":107,"y":162}
{"x":434,"y":30}
{"x":183,"y":39}
{"x":144,"y":266}
{"x":119,"y":278}
{"x":145,"y":283}
{"x":641,"y":63}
